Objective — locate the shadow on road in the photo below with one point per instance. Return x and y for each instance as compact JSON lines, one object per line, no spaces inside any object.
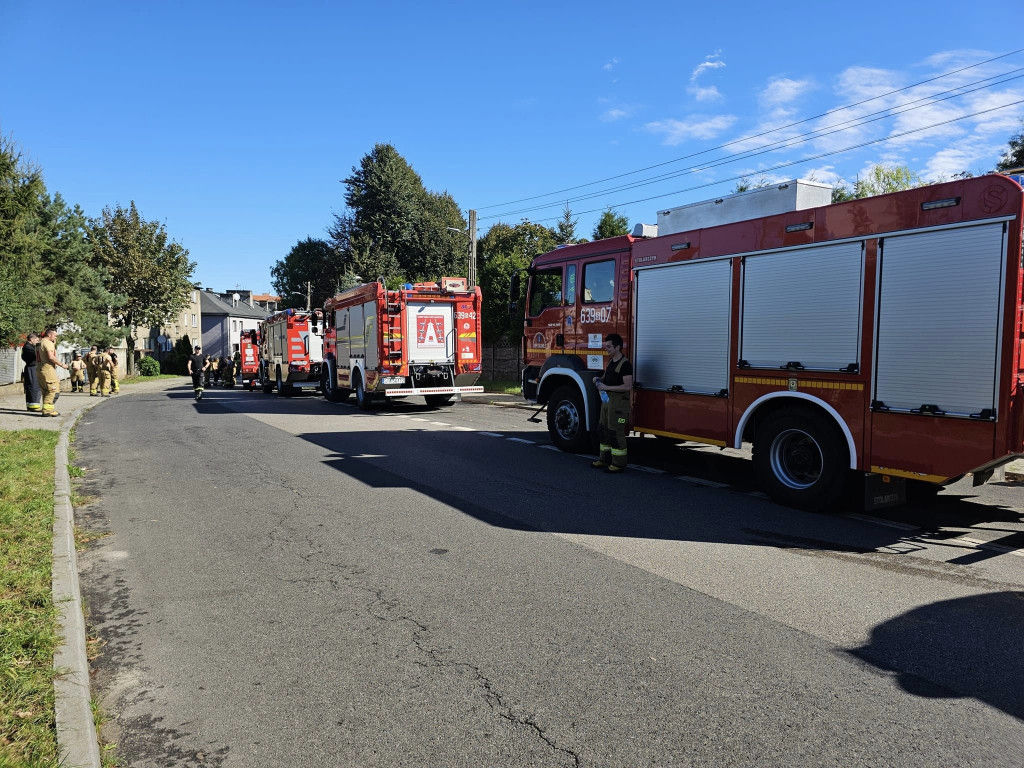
{"x":971,"y":646}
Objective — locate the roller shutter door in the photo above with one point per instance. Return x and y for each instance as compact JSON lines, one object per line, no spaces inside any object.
{"x":803,"y":306}
{"x":682,"y":327}
{"x":938,"y":319}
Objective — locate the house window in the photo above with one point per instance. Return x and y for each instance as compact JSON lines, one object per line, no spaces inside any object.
{"x":195,"y":298}
{"x":193,"y":321}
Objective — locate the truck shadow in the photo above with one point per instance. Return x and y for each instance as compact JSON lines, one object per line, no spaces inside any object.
{"x":967,"y":647}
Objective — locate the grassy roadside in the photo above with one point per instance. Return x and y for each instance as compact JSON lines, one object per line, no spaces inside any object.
{"x":28,"y":617}
{"x":137,"y":378}
{"x":502,"y":386}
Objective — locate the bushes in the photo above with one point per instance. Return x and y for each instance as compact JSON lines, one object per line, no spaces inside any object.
{"x":148,"y":367}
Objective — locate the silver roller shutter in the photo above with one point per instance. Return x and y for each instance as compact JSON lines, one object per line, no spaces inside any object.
{"x":938,"y":319}
{"x":803,"y":306}
{"x":682,"y":326}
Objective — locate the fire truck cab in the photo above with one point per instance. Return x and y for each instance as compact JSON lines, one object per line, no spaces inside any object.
{"x":880,"y":336}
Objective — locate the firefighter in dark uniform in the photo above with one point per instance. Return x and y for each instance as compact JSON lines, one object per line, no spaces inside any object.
{"x":197,"y":365}
{"x":615,"y":387}
{"x":30,"y":377}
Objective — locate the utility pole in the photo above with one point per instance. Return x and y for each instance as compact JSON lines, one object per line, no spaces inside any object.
{"x":309,"y":290}
{"x":472,"y":249}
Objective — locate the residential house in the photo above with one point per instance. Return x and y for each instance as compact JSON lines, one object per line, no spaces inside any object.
{"x":267,"y":301}
{"x":158,"y":341}
{"x":224,"y":321}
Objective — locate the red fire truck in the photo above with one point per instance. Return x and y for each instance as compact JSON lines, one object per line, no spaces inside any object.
{"x":249,"y":352}
{"x":291,"y":351}
{"x":422,"y":339}
{"x":880,"y":335}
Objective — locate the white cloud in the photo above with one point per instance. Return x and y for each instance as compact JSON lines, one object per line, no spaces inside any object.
{"x":610,"y":65}
{"x":711,"y":61}
{"x":614,"y":114}
{"x":693,"y":127}
{"x":783,"y":90}
{"x":704,"y":94}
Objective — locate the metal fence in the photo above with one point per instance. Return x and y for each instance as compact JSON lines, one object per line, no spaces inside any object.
{"x":502,"y":361}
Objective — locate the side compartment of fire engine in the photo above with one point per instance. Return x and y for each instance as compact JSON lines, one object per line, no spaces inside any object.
{"x":936,"y":385}
{"x":681,"y":343}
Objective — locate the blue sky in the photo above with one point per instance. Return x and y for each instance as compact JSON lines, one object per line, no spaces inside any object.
{"x":234,"y":122}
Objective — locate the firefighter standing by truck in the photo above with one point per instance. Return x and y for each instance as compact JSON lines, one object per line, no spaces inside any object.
{"x":615,"y":387}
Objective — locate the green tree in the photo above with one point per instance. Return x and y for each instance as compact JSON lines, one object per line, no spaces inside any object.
{"x":393,"y":227}
{"x":566,"y":227}
{"x":745,"y":184}
{"x":386,"y":198}
{"x":21,"y":244}
{"x":611,"y":224}
{"x":312,"y":260}
{"x":879,"y":180}
{"x":76,"y":298}
{"x":1014,"y":156}
{"x":151,"y":273}
{"x":439,"y":250}
{"x":503,"y":251}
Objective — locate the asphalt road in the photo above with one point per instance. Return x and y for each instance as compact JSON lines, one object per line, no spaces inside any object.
{"x":288,"y":582}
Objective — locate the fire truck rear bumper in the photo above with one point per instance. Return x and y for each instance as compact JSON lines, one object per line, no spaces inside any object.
{"x":432,"y":391}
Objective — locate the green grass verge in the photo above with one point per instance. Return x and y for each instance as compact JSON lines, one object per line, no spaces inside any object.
{"x":137,"y":378}
{"x":503,"y":386}
{"x":28,"y":617}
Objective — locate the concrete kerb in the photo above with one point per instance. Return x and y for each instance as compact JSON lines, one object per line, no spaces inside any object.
{"x":77,"y":743}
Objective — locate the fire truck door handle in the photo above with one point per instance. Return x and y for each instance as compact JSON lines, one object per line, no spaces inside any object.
{"x":559,"y":340}
{"x":792,"y":366}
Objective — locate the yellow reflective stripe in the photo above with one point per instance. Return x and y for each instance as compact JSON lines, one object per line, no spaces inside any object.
{"x":690,"y":438}
{"x":801,"y":383}
{"x":619,"y":451}
{"x":910,"y":475}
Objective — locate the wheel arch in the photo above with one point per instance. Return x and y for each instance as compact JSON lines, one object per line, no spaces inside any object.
{"x":551,"y":379}
{"x":804,"y":400}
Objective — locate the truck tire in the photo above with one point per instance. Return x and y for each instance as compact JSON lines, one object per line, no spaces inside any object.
{"x":438,"y":401}
{"x":363,"y":400}
{"x":265,"y":383}
{"x":329,"y":385}
{"x":567,"y":420}
{"x":283,"y":390}
{"x":801,"y":459}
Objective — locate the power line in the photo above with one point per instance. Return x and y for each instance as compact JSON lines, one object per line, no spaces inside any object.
{"x":786,"y":143}
{"x":800,"y":161}
{"x":753,"y":136}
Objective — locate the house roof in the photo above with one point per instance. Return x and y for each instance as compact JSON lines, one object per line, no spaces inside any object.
{"x":265,"y":297}
{"x":212,"y":305}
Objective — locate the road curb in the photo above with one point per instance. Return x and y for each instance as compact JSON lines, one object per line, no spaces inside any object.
{"x":77,"y":743}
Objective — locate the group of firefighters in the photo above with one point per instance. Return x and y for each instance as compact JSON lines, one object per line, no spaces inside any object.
{"x":42,"y":385}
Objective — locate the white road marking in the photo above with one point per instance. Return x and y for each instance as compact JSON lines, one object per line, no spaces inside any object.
{"x":881,"y":521}
{"x":464,"y":429}
{"x":440,"y":423}
{"x":491,"y":434}
{"x":702,"y":481}
{"x":521,"y":440}
{"x":979,"y":544}
{"x":650,"y":470}
{"x":417,"y":418}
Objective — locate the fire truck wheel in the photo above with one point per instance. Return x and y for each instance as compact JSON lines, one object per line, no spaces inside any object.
{"x":330,"y":388}
{"x":363,"y":400}
{"x":801,"y":459}
{"x":567,"y":420}
{"x":438,"y":401}
{"x":283,"y":390}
